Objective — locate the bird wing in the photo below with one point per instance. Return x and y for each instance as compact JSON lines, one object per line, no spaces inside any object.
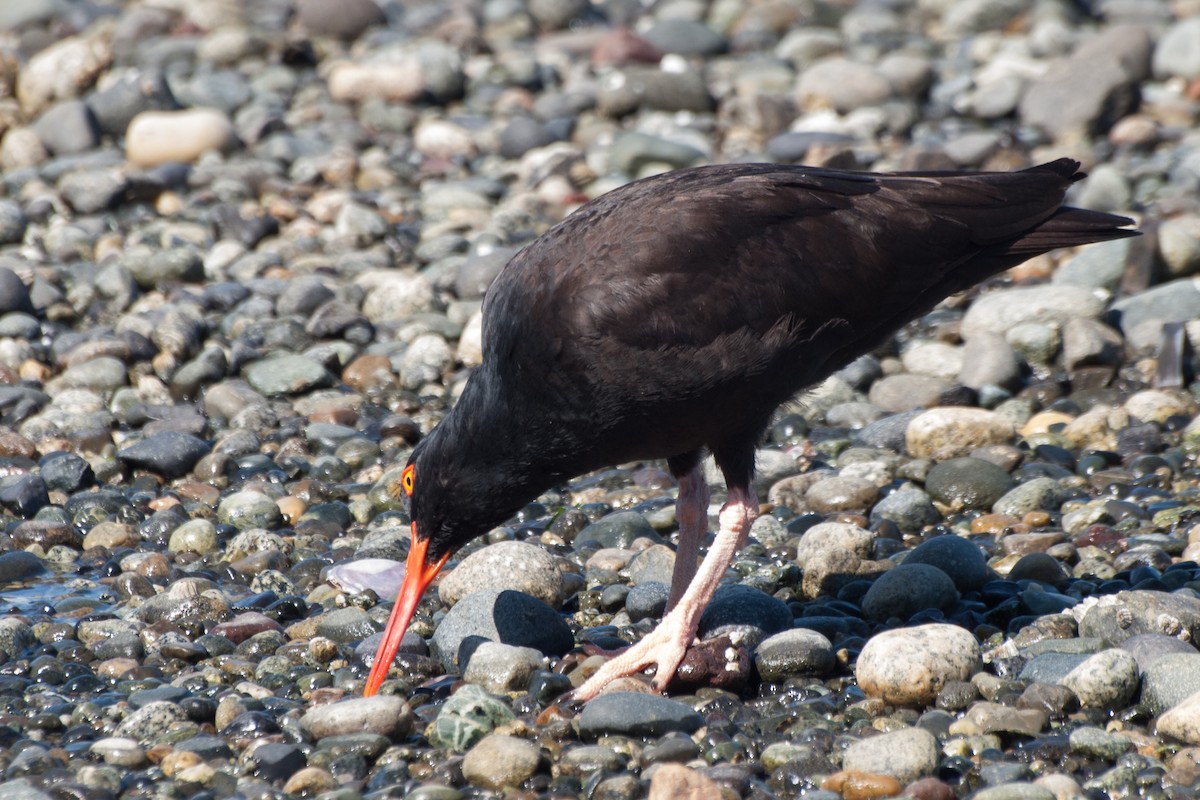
{"x":713,"y":254}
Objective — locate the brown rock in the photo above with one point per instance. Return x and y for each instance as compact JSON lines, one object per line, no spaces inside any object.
{"x":677,"y":782}
{"x":862,"y":785}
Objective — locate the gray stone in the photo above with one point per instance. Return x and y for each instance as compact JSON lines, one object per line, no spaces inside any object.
{"x":1094,"y":87}
{"x":67,"y":128}
{"x":1097,"y":266}
{"x":989,"y":360}
{"x":170,"y":454}
{"x":905,"y":754}
{"x":519,"y":566}
{"x":387,"y":715}
{"x":910,"y":508}
{"x":959,"y":558}
{"x":286,"y":374}
{"x":904,"y":590}
{"x":1170,"y":679}
{"x":795,"y":652}
{"x":744,"y":609}
{"x":1177,"y":53}
{"x":962,"y":483}
{"x":500,"y":616}
{"x":636,"y":714}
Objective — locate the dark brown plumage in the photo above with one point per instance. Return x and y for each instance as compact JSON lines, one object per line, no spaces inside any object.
{"x":673,"y":315}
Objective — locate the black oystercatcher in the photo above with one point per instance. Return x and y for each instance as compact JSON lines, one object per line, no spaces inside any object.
{"x":673,"y":315}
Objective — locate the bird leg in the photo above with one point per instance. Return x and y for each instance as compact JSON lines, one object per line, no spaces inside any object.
{"x":691,"y":511}
{"x":666,"y":644}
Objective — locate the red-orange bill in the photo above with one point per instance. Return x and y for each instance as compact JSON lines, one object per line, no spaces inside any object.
{"x":417,"y":577}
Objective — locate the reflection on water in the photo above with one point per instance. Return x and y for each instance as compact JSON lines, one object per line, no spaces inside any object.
{"x":55,"y":596}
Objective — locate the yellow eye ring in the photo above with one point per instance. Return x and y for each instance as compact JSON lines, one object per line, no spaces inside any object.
{"x":406,"y":480}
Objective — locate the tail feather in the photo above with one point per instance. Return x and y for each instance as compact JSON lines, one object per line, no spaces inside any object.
{"x":1070,"y":227}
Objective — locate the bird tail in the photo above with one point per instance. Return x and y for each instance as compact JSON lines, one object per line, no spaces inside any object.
{"x":1070,"y":227}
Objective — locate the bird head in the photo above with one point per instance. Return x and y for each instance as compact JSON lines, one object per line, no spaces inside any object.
{"x":454,"y":493}
{"x":430,"y":549}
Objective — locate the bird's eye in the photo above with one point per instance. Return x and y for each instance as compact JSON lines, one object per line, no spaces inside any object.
{"x":406,"y":479}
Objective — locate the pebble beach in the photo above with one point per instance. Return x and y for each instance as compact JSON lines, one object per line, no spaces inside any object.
{"x":243,"y":252}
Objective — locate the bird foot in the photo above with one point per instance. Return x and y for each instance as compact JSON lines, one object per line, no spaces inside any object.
{"x":666,"y":645}
{"x":664,"y":648}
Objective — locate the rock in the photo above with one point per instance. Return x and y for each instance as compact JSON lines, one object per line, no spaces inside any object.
{"x":989,"y":360}
{"x":996,"y":718}
{"x":1034,"y":495}
{"x":841,"y":84}
{"x":745,"y":609}
{"x":118,"y":102}
{"x":169,"y":454}
{"x":1115,"y":618}
{"x":19,"y":565}
{"x":1170,"y":679}
{"x":636,"y":714}
{"x":905,"y":391}
{"x":618,"y":529}
{"x":501,"y":668}
{"x":500,"y":761}
{"x":684,"y":36}
{"x":1107,"y":680}
{"x":61,"y":72}
{"x":904,"y":590}
{"x":909,"y":508}
{"x":67,"y":128}
{"x":393,"y":296}
{"x":519,"y":566}
{"x":500,"y":616}
{"x":286,"y":374}
{"x":247,"y":510}
{"x":1048,"y":304}
{"x":1097,"y":266}
{"x":1177,"y":53}
{"x":1177,"y":244}
{"x":161,"y":137}
{"x":678,"y":782}
{"x":346,"y":20}
{"x":834,"y":536}
{"x":909,"y":666}
{"x":945,"y":433}
{"x":400,"y":81}
{"x":1094,"y":87}
{"x":794,"y":652}
{"x":1182,"y":722}
{"x":14,"y":294}
{"x":905,"y":754}
{"x":150,"y":721}
{"x":387,"y":715}
{"x":1089,"y":343}
{"x":962,"y":560}
{"x":91,"y":191}
{"x":466,"y":717}
{"x":1141,"y":316}
{"x":962,"y":483}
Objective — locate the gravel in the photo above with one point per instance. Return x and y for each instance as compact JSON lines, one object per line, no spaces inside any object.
{"x":243,"y":249}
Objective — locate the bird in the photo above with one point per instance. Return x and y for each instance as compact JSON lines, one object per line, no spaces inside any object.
{"x":670,"y":317}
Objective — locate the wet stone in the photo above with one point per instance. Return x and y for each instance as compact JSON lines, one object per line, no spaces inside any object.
{"x":500,"y":616}
{"x":793,"y":652}
{"x":518,"y":566}
{"x":636,"y":714}
{"x":170,"y":454}
{"x":909,"y":666}
{"x":905,"y":754}
{"x":904,"y":590}
{"x":961,"y":560}
{"x":386,"y":715}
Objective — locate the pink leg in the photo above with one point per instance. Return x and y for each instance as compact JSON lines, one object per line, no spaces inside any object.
{"x":691,"y":510}
{"x":667,"y":643}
